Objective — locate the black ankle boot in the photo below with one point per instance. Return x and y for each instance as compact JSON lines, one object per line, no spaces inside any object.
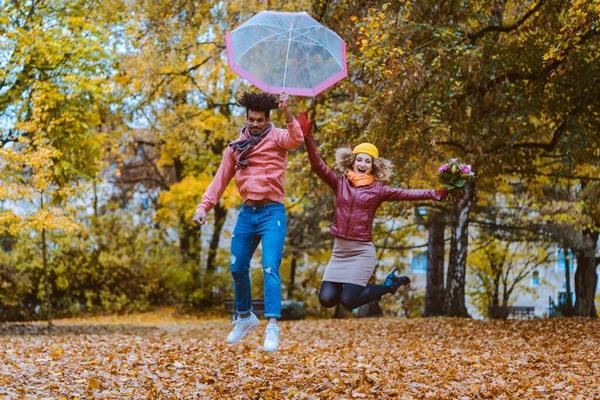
{"x":395,"y":282}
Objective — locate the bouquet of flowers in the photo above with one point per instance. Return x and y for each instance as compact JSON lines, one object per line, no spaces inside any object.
{"x":454,"y":175}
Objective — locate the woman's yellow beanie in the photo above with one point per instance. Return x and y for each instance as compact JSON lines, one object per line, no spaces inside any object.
{"x":366,"y":148}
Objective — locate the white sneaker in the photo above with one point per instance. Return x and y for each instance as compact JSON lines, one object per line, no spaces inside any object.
{"x":272,"y":337}
{"x":241,"y":328}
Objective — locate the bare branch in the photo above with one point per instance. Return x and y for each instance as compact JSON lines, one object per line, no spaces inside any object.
{"x":453,"y":144}
{"x":529,"y":228}
{"x":163,"y":182}
{"x":297,"y":202}
{"x":217,"y":44}
{"x":195,"y":67}
{"x":473,"y":37}
{"x":549,"y":146}
{"x":141,"y":180}
{"x":401,"y":248}
{"x":146,"y":142}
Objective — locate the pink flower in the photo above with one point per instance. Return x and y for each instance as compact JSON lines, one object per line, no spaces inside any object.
{"x":465,"y":169}
{"x":443,"y":168}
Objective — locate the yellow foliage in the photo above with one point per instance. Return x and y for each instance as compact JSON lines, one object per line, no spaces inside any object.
{"x":182,"y":198}
{"x":50,"y":220}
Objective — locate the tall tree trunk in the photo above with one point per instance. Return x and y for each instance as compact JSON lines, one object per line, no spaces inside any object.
{"x":45,"y":266}
{"x":454,"y":302}
{"x":496,"y":291}
{"x":293,"y":267}
{"x":586,"y":277}
{"x":46,"y":283}
{"x":189,"y":243}
{"x":568,"y":308}
{"x":95,"y":200}
{"x":189,"y":240}
{"x":220,"y":216}
{"x":505,"y":294}
{"x":340,"y":312}
{"x":494,"y":297}
{"x":434,"y":291}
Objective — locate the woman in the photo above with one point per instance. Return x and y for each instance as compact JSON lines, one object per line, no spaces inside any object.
{"x":359,"y":192}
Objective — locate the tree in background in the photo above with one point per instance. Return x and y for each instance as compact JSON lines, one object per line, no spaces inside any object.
{"x":500,"y":267}
{"x":571,"y":218}
{"x":55,"y":92}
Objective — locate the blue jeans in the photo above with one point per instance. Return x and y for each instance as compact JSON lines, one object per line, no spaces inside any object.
{"x":255,"y":224}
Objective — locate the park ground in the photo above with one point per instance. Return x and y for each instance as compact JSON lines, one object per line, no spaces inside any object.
{"x":161,"y":355}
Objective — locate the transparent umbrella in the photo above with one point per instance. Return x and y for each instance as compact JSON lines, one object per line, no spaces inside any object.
{"x":287,"y":52}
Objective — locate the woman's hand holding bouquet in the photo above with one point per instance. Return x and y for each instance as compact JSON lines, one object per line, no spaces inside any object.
{"x":454,"y":175}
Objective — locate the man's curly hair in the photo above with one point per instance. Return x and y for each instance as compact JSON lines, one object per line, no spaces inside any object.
{"x":344,"y":160}
{"x":258,"y":102}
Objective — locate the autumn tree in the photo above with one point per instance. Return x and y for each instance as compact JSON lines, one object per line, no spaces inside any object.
{"x":499,"y":267}
{"x":55,"y":94}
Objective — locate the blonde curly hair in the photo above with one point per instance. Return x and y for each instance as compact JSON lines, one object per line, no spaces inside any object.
{"x":344,"y":160}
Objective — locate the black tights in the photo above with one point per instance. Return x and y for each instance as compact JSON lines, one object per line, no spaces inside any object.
{"x":349,"y":295}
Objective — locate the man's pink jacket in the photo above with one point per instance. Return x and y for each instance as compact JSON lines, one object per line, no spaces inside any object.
{"x":263,"y":179}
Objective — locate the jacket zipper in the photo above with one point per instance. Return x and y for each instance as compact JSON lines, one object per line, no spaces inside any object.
{"x":350,"y":213}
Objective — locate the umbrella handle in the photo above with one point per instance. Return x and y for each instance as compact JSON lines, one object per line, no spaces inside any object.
{"x":283,"y":98}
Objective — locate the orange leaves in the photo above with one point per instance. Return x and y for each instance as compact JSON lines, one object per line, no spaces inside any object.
{"x":56,"y":353}
{"x":330,"y":359}
{"x":93,"y":383}
{"x":373,"y":30}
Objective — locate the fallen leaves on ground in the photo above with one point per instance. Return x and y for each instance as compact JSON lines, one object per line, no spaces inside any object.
{"x":330,"y":359}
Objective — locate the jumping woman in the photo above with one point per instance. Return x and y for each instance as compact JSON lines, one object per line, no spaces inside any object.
{"x":359,"y":191}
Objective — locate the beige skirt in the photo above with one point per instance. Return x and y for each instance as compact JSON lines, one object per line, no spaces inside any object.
{"x":351,"y":262}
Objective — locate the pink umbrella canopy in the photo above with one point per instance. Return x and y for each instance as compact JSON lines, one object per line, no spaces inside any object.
{"x":287,"y":52}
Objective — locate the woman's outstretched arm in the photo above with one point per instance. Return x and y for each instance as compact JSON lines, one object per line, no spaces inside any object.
{"x":400,"y":194}
{"x":316,"y":162}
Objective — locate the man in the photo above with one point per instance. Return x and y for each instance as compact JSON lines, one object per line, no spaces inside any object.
{"x":258,"y":159}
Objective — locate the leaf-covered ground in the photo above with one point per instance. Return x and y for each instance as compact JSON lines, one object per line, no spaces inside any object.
{"x":159,"y":357}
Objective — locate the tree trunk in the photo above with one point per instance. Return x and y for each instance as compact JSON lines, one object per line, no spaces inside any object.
{"x":293,"y":267}
{"x":434,"y":292}
{"x":454,"y":302}
{"x":45,"y":266}
{"x":46,"y":283}
{"x":220,"y":216}
{"x":493,"y":309}
{"x":586,"y":277}
{"x":189,"y":240}
{"x":95,"y":200}
{"x":496,"y":292}
{"x":568,"y":307}
{"x":340,"y":312}
{"x":372,"y":309}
